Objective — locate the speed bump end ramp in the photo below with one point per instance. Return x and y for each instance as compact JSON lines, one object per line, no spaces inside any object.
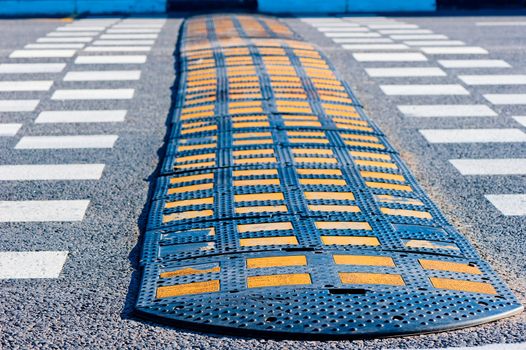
{"x":281,"y":209}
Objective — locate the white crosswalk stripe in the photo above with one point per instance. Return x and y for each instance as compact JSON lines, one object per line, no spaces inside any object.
{"x":424,"y":111}
{"x":509,"y":205}
{"x":26,"y":85}
{"x":113,"y":75}
{"x":434,"y":43}
{"x":405,"y":31}
{"x":405,"y":72}
{"x":421,"y":89}
{"x":473,"y":135}
{"x":369,"y":47}
{"x":464,"y":50}
{"x":66,"y":40}
{"x":419,"y":37}
{"x":506,"y":99}
{"x":43,"y":210}
{"x":500,"y":79}
{"x":9,"y":129}
{"x":113,"y":59}
{"x":67,"y":142}
{"x":509,"y":166}
{"x":81,"y":116}
{"x":55,"y":46}
{"x":117,"y":49}
{"x":93,"y":94}
{"x":48,"y":172}
{"x":128,"y":36}
{"x":123,"y":42}
{"x":31,"y":68}
{"x":389,"y":57}
{"x":42,"y":54}
{"x":474,"y":63}
{"x":30,"y":265}
{"x":521,"y":120}
{"x":18,"y":105}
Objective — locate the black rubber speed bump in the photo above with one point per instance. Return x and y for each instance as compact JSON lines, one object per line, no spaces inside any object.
{"x":282,"y":210}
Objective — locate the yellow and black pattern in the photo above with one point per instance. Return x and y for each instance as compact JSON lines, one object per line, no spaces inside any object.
{"x":282,"y":209}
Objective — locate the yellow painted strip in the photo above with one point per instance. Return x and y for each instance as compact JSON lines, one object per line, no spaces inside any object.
{"x":407,"y":212}
{"x":306,"y":133}
{"x":191,"y":188}
{"x":350,"y":240}
{"x":196,"y":165}
{"x":342,"y":196}
{"x":376,"y":164}
{"x":269,"y":226}
{"x":277,"y":261}
{"x":196,"y":130}
{"x":370,"y":155}
{"x":189,"y":271}
{"x":199,"y":177}
{"x":242,"y":135}
{"x":371,"y":278}
{"x":337,"y":208}
{"x":188,"y":289}
{"x":194,"y":158}
{"x":278,"y":196}
{"x":336,"y":172}
{"x":183,"y":148}
{"x":388,"y":186}
{"x":315,"y":160}
{"x":463,"y":286}
{"x":308,"y":140}
{"x":261,"y":209}
{"x":256,"y":182}
{"x":364,"y":144}
{"x":385,"y":198}
{"x":253,"y":152}
{"x":333,"y":182}
{"x":254,"y":160}
{"x":253,"y":242}
{"x":185,"y":215}
{"x":278,"y":280}
{"x":417,"y":243}
{"x":378,"y":175}
{"x":255,"y":172}
{"x":441,"y":265}
{"x":187,"y":202}
{"x":251,"y":142}
{"x":364,"y":260}
{"x":312,"y":151}
{"x":342,"y":225}
{"x":251,"y":125}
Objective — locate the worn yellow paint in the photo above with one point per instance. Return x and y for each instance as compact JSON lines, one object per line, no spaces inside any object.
{"x":342,"y":225}
{"x":463,"y":286}
{"x":376,"y":164}
{"x":329,"y":195}
{"x":336,"y":172}
{"x":187,"y":202}
{"x":388,"y":186}
{"x":337,"y":208}
{"x":191,"y":188}
{"x":251,"y":125}
{"x":185,"y":215}
{"x":264,"y":226}
{"x":441,"y":265}
{"x":188,"y":178}
{"x":261,"y":209}
{"x":196,"y":165}
{"x":371,"y":278}
{"x":184,"y":148}
{"x":250,"y":152}
{"x":256,"y":182}
{"x":407,"y":212}
{"x":315,"y":160}
{"x":364,"y":260}
{"x":188,"y":289}
{"x":276,"y":261}
{"x":255,"y":172}
{"x":379,"y":175}
{"x":273,"y":196}
{"x":253,"y":242}
{"x":350,"y":240}
{"x":254,"y":160}
{"x":333,"y":182}
{"x":289,"y":279}
{"x":360,"y":154}
{"x":386,"y":198}
{"x":189,"y":271}
{"x":312,"y":151}
{"x":417,"y":243}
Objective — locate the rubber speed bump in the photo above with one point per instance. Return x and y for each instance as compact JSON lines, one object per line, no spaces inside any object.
{"x":282,"y":210}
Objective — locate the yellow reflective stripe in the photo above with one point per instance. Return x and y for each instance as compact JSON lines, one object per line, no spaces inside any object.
{"x":261,"y":209}
{"x":252,"y":242}
{"x":463,"y":286}
{"x":337,"y":208}
{"x":441,"y":265}
{"x":311,"y":151}
{"x":376,"y":164}
{"x":188,"y":289}
{"x":336,"y":172}
{"x":189,"y":271}
{"x":333,"y":182}
{"x":187,"y":202}
{"x":315,"y":160}
{"x":371,"y":278}
{"x":350,"y":240}
{"x":417,"y":243}
{"x":364,"y":260}
{"x":253,"y":152}
{"x":276,"y":261}
{"x":278,"y":280}
{"x":342,"y":225}
{"x":255,"y":172}
{"x":385,"y":198}
{"x":386,"y":176}
{"x":254,"y":160}
{"x":256,"y":182}
{"x":188,"y":178}
{"x":191,"y":188}
{"x":278,"y":196}
{"x":407,"y":212}
{"x":268,"y":226}
{"x":185,"y":215}
{"x":329,"y":195}
{"x":370,"y":155}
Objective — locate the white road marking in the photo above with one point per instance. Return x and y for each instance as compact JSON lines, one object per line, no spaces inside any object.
{"x":79,"y":28}
{"x":128,"y":36}
{"x":49,"y":172}
{"x":18,"y":105}
{"x":474,"y":63}
{"x":117,"y":48}
{"x":113,"y":59}
{"x":93,"y":94}
{"x":66,"y":142}
{"x":509,"y":205}
{"x":405,"y":31}
{"x":74,"y":34}
{"x":393,"y":26}
{"x":110,"y":116}
{"x":367,"y":47}
{"x":506,"y":99}
{"x":497,"y":24}
{"x":109,"y":75}
{"x":419,"y":37}
{"x":42,"y":53}
{"x":389,"y":57}
{"x":66,"y":40}
{"x":423,"y":89}
{"x":343,"y":34}
{"x":26,"y":85}
{"x":43,"y":210}
{"x":29,"y":68}
{"x":30,"y":265}
{"x":9,"y":129}
{"x":131,"y":26}
{"x":425,"y":111}
{"x":500,"y":79}
{"x":54,"y":46}
{"x":123,"y":42}
{"x":473,"y":135}
{"x":347,"y":28}
{"x":405,"y":72}
{"x":356,"y":35}
{"x":521,"y":120}
{"x":361,"y":40}
{"x":509,"y":166}
{"x":434,"y":43}
{"x":132,"y":31}
{"x":464,"y":50}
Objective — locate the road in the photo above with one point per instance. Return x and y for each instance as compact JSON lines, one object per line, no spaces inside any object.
{"x":75,"y":206}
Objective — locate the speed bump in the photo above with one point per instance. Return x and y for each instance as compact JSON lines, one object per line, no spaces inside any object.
{"x":282,"y":210}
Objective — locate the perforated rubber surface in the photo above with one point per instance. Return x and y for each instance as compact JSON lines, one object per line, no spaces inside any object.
{"x":282,"y":210}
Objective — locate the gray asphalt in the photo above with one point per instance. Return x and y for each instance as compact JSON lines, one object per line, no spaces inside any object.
{"x":90,"y":305}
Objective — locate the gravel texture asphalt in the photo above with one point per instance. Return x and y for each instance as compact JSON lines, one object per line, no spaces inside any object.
{"x":90,"y":305}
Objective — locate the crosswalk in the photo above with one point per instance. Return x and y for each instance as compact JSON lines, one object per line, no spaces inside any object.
{"x":100,"y":51}
{"x":390,"y":49}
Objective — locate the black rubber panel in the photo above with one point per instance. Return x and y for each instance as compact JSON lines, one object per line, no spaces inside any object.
{"x":281,"y":209}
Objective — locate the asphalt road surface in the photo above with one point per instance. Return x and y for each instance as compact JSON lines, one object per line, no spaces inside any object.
{"x":75,"y":161}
